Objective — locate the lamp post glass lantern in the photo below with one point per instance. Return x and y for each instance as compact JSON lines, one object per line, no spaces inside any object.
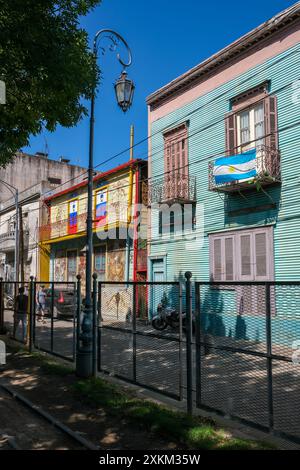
{"x":124,"y":88}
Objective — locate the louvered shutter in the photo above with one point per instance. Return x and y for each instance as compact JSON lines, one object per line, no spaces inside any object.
{"x":230,"y":134}
{"x":229,"y":273}
{"x":167,"y":155}
{"x":271,"y":126}
{"x":245,"y":293}
{"x":217,"y":259}
{"x":261,"y":267}
{"x":245,"y":257}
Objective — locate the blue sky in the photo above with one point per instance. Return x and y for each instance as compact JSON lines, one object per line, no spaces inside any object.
{"x":167,"y":37}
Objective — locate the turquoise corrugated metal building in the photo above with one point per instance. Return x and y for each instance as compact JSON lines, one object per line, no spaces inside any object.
{"x":246,"y":96}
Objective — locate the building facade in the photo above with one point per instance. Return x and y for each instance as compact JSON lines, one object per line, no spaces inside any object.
{"x":224,"y":146}
{"x":117,"y":256}
{"x":34,"y":176}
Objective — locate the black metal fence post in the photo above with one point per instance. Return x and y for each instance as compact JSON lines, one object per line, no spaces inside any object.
{"x":269,"y":356}
{"x":99,"y":327}
{"x":52,"y":316}
{"x":189,"y":339}
{"x":134,"y":331}
{"x":198,"y":343}
{"x":2,"y":331}
{"x":78,"y":310}
{"x":95,"y":324}
{"x":31,"y":313}
{"x":181,"y":366}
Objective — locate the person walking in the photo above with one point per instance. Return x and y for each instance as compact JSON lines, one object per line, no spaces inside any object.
{"x":41,"y":303}
{"x":20,"y":315}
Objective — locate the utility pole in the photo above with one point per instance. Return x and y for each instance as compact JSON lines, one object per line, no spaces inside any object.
{"x":21,"y":245}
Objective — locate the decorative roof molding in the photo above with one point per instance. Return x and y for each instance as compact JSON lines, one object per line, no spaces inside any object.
{"x":233,"y":50}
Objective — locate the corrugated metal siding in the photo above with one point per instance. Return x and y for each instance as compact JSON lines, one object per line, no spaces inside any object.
{"x":207,"y":139}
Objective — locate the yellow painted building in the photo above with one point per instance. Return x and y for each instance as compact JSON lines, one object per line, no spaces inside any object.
{"x":116,"y":256}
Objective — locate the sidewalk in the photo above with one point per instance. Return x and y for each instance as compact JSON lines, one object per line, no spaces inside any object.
{"x":51,"y":390}
{"x":108,"y":418}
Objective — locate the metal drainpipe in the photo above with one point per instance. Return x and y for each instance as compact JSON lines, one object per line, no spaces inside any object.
{"x":130,"y":193}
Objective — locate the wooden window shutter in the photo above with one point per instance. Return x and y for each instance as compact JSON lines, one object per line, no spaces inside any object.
{"x":261,"y":254}
{"x":245,"y":257}
{"x":229,"y":271}
{"x":176,"y":151}
{"x":217,"y":257}
{"x":230,"y":134}
{"x":271,"y":126}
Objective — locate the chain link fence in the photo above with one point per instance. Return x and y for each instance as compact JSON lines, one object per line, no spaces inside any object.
{"x":131,"y":345}
{"x":231,"y":348}
{"x":247,"y":353}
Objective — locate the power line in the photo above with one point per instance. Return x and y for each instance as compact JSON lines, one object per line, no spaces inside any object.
{"x":206,"y":158}
{"x":184,"y":117}
{"x":202,"y":129}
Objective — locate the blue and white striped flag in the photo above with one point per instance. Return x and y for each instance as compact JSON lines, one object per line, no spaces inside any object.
{"x":235,"y":168}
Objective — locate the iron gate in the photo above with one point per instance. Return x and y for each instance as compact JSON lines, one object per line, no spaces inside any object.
{"x":247,"y":345}
{"x":128,"y":346}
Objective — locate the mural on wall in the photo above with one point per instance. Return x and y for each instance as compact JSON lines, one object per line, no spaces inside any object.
{"x":101,"y":207}
{"x":58,"y":220}
{"x":116,"y":300}
{"x":116,"y":265}
{"x":81,"y":270}
{"x":60,"y":266}
{"x":73,"y":209}
{"x":118,"y":200}
{"x":116,"y":304}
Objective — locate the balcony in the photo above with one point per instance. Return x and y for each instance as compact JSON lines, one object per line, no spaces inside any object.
{"x":55,"y":231}
{"x":260,"y":166}
{"x":7,"y":240}
{"x":173,"y":189}
{"x":60,"y":228}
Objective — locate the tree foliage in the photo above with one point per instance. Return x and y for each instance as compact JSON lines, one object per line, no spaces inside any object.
{"x":46,"y":65}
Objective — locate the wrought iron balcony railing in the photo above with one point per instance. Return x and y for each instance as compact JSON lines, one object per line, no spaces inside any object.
{"x":172,"y":189}
{"x":266,"y":171}
{"x":61,"y":228}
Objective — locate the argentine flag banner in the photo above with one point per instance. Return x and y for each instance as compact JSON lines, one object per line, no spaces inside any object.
{"x":235,"y":168}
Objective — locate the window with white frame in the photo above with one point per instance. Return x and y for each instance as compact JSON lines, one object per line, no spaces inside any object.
{"x":252,"y":121}
{"x":243,"y":255}
{"x":251,"y":128}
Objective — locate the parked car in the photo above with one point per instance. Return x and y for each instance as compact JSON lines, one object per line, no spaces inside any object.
{"x":64,"y":303}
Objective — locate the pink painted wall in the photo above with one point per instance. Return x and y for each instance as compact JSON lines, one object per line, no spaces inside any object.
{"x":257,"y":55}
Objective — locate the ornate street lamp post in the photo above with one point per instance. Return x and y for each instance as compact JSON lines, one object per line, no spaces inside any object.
{"x":124,"y":89}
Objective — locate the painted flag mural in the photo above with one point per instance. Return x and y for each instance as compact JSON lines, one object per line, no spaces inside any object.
{"x":73,"y":207}
{"x":235,"y":168}
{"x":101,"y":207}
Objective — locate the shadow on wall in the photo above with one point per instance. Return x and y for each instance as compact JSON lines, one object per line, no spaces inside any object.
{"x":252,"y":207}
{"x":211,"y":316}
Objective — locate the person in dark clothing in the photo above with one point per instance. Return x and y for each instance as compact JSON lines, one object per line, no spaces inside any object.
{"x":21,"y":305}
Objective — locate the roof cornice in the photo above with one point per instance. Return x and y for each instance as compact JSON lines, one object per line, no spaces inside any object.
{"x":233,"y":50}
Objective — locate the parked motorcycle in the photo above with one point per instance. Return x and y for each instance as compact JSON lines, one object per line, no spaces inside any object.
{"x":168,"y":316}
